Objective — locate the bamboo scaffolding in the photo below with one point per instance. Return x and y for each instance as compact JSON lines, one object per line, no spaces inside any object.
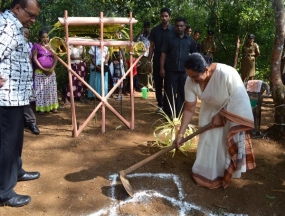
{"x":96,"y":42}
{"x":79,"y":21}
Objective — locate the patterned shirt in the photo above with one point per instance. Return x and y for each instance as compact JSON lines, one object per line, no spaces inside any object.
{"x":15,"y":63}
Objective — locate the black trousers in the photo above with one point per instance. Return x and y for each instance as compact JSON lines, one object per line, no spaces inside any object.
{"x":174,"y":90}
{"x":158,"y":82}
{"x":29,"y":116}
{"x":136,"y":83}
{"x":11,"y":144}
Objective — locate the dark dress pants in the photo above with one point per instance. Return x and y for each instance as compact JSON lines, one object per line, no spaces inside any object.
{"x":158,"y":82}
{"x":174,"y":88}
{"x":11,"y":144}
{"x":29,"y":116}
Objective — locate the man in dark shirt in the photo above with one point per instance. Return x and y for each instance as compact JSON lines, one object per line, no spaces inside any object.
{"x":174,"y":53}
{"x":196,"y":38}
{"x":157,"y":36}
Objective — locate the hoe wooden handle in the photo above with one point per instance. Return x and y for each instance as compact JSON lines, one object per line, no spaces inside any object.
{"x":163,"y":151}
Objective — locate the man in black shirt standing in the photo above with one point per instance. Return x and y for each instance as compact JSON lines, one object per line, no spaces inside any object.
{"x":158,"y":35}
{"x":174,"y":53}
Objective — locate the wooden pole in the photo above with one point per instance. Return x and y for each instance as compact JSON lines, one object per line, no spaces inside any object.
{"x":74,"y":124}
{"x":103,"y":127}
{"x":132,"y":75}
{"x":83,"y":21}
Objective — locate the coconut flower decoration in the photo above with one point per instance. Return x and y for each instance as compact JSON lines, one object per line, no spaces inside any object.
{"x":167,"y":132}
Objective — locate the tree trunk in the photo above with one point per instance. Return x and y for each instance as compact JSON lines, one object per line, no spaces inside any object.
{"x":277,"y":87}
{"x":236,"y":52}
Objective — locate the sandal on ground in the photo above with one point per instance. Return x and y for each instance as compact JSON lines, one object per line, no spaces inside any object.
{"x":119,"y":98}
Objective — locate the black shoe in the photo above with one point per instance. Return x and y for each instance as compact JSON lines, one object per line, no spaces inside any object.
{"x":34,"y":129}
{"x":17,"y":201}
{"x":29,"y":176}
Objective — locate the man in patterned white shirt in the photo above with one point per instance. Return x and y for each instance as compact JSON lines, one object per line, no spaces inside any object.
{"x":15,"y":83}
{"x":2,"y":81}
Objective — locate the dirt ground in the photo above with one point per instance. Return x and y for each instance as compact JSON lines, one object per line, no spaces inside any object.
{"x":79,"y":176}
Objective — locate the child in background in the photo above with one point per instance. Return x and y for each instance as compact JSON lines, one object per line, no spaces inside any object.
{"x":136,"y":82}
{"x":117,"y":70}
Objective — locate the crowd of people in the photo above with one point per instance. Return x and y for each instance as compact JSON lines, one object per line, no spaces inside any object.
{"x":176,"y":66}
{"x":158,"y":70}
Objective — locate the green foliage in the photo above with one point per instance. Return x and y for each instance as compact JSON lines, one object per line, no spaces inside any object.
{"x":229,"y":19}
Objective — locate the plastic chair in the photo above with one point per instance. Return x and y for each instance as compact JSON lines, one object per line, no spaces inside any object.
{"x":256,"y":99}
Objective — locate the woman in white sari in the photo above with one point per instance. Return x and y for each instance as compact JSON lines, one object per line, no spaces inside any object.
{"x":225,"y":151}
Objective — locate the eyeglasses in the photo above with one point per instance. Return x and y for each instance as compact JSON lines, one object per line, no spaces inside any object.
{"x":32,"y":16}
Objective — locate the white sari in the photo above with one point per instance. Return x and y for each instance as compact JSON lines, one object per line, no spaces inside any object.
{"x":222,"y":151}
